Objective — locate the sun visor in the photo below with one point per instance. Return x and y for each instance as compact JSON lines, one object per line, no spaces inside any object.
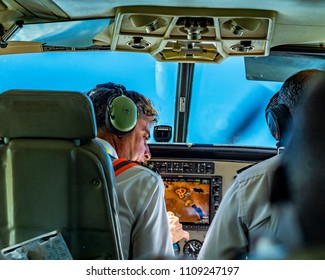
{"x":284,"y":61}
{"x":76,"y":34}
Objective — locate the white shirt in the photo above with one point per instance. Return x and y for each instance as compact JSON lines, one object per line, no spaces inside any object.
{"x":108,"y":147}
{"x":142,"y":212}
{"x":245,"y":213}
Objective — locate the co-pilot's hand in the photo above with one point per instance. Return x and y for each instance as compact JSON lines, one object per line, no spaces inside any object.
{"x":176,"y":228}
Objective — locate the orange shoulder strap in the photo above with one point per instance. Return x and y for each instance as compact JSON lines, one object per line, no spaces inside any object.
{"x":121,"y":165}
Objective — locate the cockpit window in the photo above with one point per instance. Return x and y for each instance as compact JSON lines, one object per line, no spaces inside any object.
{"x":81,"y":71}
{"x":225,"y":107}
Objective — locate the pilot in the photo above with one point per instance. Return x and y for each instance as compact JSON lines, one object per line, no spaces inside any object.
{"x":245,"y":212}
{"x":124,"y":119}
{"x":298,"y":191}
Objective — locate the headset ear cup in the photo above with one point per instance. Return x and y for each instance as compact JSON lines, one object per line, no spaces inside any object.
{"x":278,"y":119}
{"x":121,"y":115}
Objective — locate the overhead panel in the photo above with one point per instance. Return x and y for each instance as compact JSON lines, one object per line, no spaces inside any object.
{"x":190,"y":34}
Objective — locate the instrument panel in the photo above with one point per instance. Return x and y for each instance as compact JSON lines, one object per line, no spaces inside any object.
{"x":196,"y":177}
{"x":193,"y":192}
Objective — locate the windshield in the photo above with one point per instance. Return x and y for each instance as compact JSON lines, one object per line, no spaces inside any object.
{"x":225,"y":107}
{"x":228,"y":109}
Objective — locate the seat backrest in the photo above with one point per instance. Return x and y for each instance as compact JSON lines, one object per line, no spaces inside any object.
{"x":54,"y":175}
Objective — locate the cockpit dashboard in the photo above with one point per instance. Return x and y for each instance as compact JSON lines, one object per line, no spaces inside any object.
{"x":195,"y":178}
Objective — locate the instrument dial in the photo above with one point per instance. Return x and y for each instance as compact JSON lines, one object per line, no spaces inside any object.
{"x":192,"y":248}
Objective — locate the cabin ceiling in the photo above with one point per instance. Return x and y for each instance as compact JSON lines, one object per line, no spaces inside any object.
{"x":182,"y":31}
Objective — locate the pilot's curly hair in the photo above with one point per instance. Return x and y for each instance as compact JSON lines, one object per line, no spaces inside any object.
{"x":101,"y":93}
{"x":294,"y":87}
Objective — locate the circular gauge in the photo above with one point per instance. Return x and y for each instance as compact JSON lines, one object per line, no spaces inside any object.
{"x":192,"y":248}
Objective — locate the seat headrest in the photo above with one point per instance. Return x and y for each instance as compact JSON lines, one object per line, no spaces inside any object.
{"x":46,"y":114}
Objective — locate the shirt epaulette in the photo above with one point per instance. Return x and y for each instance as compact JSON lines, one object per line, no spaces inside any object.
{"x":123,"y":164}
{"x":244,"y":168}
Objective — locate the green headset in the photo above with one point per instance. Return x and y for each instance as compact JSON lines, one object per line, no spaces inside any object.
{"x":121,"y":112}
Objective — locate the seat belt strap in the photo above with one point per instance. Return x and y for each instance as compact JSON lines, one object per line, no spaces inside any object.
{"x":121,"y":165}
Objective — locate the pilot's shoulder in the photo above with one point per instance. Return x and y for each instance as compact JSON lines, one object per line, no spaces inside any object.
{"x":122,"y":164}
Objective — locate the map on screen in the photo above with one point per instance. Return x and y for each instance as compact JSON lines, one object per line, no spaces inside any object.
{"x":188,"y":199}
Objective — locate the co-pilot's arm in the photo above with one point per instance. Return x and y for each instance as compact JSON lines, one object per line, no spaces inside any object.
{"x":226,"y":238}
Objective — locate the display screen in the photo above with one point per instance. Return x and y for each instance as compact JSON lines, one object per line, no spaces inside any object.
{"x":188,"y":199}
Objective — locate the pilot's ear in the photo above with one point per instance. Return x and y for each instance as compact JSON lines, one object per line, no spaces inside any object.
{"x":279,"y":186}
